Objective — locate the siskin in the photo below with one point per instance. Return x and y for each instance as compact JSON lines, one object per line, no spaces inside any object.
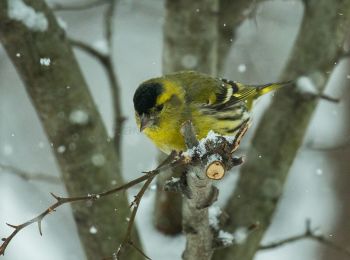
{"x":163,"y":104}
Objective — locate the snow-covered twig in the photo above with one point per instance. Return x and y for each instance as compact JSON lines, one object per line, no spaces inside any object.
{"x":309,"y":233}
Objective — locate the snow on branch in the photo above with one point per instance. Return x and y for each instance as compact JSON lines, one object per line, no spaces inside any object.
{"x":309,"y":86}
{"x":19,"y":11}
{"x":210,"y":158}
{"x":200,"y":196}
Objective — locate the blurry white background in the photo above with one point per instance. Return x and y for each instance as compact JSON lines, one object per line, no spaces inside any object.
{"x":317,"y":187}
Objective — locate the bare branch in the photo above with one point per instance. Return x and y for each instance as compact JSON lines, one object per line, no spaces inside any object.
{"x":114,"y":85}
{"x":30,"y":176}
{"x":107,"y":63}
{"x":109,"y":17}
{"x":173,"y":160}
{"x":328,"y":148}
{"x":90,"y":50}
{"x":78,"y":6}
{"x":62,"y":200}
{"x":135,"y":205}
{"x":308,"y":234}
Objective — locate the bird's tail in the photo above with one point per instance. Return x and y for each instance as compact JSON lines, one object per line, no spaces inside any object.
{"x":259,"y":90}
{"x":266,"y":88}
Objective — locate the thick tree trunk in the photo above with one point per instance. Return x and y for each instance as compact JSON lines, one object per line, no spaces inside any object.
{"x":283,"y":126}
{"x":44,"y":60}
{"x":190,"y":43}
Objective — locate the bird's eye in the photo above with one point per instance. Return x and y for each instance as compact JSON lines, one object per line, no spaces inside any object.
{"x":159,"y":107}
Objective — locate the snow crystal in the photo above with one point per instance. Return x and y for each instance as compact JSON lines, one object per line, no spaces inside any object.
{"x":101,"y":46}
{"x":79,"y":117}
{"x":226,"y":238}
{"x":153,"y":187}
{"x":61,"y":149}
{"x":241,"y":235}
{"x":319,"y":172}
{"x":305,"y":85}
{"x":242,"y":68}
{"x":189,"y":61}
{"x":98,"y":159}
{"x":18,"y":55}
{"x":7,"y":149}
{"x":173,"y":180}
{"x":214,"y":214}
{"x":93,"y":230}
{"x":19,"y":11}
{"x":45,"y":61}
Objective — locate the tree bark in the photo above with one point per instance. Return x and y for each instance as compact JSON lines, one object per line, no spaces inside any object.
{"x":190,"y":43}
{"x":84,"y":152}
{"x":282,"y":128}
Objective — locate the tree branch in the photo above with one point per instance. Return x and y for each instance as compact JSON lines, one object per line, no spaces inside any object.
{"x":69,"y":116}
{"x":281,"y":129}
{"x":30,"y":176}
{"x":200,"y":193}
{"x":106,"y":61}
{"x":309,"y":233}
{"x":102,"y":58}
{"x":171,"y":161}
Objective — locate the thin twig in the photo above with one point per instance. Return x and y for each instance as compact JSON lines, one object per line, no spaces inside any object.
{"x":78,"y":6}
{"x":30,"y":176}
{"x":329,"y":148}
{"x":308,"y":234}
{"x":62,"y":200}
{"x":113,"y":79}
{"x":135,"y":205}
{"x":90,"y":50}
{"x":107,"y":62}
{"x":173,"y":160}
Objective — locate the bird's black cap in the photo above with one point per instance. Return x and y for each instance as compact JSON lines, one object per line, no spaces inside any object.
{"x":145,"y":97}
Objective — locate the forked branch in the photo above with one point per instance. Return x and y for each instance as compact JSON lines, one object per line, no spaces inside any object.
{"x":173,"y":160}
{"x":219,"y":146}
{"x":309,"y":233}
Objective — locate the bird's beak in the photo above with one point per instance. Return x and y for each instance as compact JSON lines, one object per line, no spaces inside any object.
{"x":144,"y":122}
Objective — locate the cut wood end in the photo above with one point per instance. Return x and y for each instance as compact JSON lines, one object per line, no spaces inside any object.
{"x":215,"y":170}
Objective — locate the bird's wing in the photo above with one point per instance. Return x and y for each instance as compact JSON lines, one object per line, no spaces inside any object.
{"x":231,"y":93}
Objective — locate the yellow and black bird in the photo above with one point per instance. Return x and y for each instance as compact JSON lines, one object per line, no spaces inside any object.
{"x":163,"y":104}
